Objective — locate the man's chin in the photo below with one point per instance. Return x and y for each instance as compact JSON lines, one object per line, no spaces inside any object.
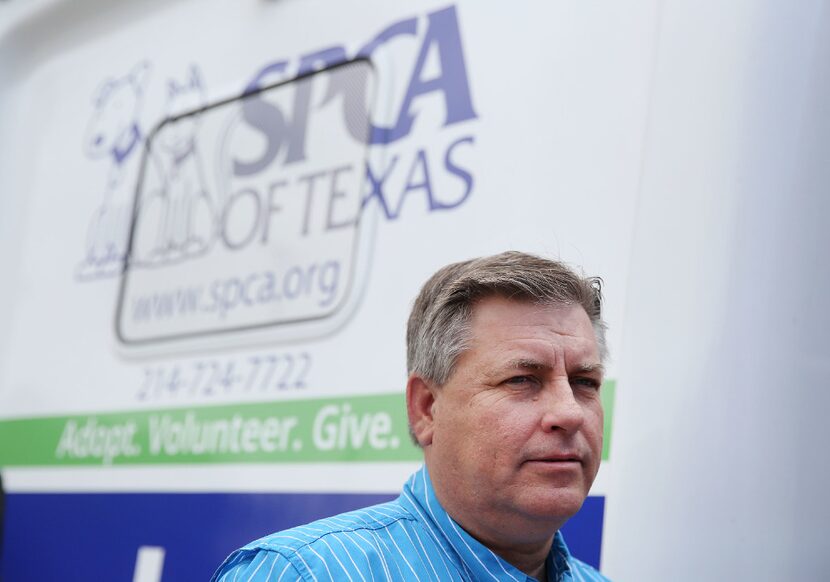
{"x":555,"y":506}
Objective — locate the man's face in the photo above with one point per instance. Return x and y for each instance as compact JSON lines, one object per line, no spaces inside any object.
{"x":517,"y":429}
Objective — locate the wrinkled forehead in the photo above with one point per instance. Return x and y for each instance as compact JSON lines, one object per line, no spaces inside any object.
{"x":597,"y":327}
{"x":497,"y":321}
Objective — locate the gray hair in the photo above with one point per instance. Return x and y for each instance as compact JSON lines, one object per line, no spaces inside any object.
{"x":438,"y":330}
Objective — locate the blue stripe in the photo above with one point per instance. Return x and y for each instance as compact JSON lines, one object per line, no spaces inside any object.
{"x":70,"y":536}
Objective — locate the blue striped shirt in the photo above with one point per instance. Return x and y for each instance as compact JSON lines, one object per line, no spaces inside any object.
{"x":411,"y":538}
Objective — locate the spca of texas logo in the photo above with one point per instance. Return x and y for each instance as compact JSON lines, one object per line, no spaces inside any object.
{"x":186,"y":213}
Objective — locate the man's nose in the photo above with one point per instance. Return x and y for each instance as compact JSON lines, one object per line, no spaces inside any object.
{"x":562,"y":410}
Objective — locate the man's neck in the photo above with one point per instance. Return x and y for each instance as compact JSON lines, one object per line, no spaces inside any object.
{"x":522,"y":543}
{"x":530,"y":559}
{"x":518,"y":539}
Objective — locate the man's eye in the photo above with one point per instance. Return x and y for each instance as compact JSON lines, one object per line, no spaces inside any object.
{"x":519,"y":380}
{"x":586,"y":383}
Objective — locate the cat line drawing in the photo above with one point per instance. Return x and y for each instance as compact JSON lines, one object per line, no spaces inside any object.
{"x":178,"y":215}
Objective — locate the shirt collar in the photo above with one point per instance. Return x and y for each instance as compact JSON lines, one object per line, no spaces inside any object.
{"x":471,"y":556}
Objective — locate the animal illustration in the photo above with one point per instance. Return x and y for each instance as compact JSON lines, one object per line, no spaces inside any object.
{"x":114,"y":135}
{"x":178,"y":215}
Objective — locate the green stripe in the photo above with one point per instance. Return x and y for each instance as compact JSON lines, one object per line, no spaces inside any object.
{"x":360,"y":428}
{"x":609,"y":387}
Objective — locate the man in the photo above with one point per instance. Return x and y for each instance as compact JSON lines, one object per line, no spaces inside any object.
{"x":505,"y":366}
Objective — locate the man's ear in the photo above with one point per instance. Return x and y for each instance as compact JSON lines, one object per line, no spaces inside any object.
{"x":420,"y":402}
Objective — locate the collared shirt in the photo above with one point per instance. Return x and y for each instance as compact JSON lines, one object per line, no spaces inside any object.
{"x":411,"y":538}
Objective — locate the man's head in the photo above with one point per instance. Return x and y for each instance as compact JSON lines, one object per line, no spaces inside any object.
{"x":505,"y":360}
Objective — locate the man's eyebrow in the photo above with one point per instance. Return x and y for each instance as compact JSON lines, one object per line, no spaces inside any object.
{"x":528,"y":364}
{"x":590,"y":368}
{"x":519,"y":364}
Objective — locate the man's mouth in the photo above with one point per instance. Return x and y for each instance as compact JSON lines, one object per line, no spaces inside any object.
{"x":559,"y":458}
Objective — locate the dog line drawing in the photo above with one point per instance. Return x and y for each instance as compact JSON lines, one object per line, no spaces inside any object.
{"x":114,"y":134}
